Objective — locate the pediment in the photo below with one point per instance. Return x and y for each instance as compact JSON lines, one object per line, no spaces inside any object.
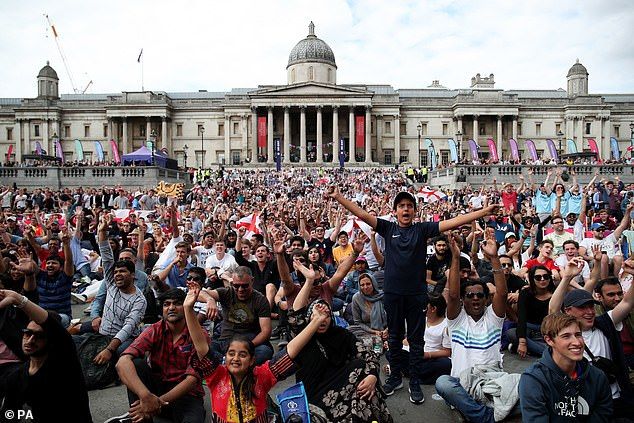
{"x":310,"y":89}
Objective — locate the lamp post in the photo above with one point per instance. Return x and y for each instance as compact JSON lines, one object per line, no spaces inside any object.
{"x":631,"y":140}
{"x":419,"y":127}
{"x":559,"y":136}
{"x":185,"y":148}
{"x":153,"y":140}
{"x":459,"y":139}
{"x":202,"y":149}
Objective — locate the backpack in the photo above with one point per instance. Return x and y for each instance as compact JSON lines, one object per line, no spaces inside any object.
{"x":294,"y":404}
{"x":95,"y":376}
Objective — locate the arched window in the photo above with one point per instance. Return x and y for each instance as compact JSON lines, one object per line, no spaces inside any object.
{"x":310,"y":73}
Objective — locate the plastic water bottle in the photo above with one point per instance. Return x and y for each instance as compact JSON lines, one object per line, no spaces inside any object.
{"x":377,"y":345}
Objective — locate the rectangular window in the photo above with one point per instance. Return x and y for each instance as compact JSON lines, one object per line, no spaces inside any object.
{"x":9,"y":134}
{"x":617,"y":131}
{"x":105,"y":130}
{"x":557,"y":128}
{"x":235,"y":157}
{"x":179,"y":130}
{"x":444,"y":157}
{"x":588,"y":128}
{"x":423,"y":158}
{"x":36,"y":130}
{"x":482,"y":129}
{"x":519,"y":128}
{"x":403,"y":128}
{"x":221,"y":129}
{"x":66,"y":131}
{"x":142,"y":130}
{"x":388,"y":127}
{"x":201,"y":131}
{"x":387,"y":157}
{"x":68,"y":156}
{"x":372,"y":127}
{"x":445,"y":129}
{"x":236,"y":128}
{"x":538,"y":129}
{"x":404,"y":156}
{"x":423,"y":129}
{"x":86,"y":131}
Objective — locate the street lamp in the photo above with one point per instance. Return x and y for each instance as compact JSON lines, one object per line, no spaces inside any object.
{"x":459,"y":139}
{"x":185,"y":148}
{"x":560,"y":135}
{"x":419,"y":127}
{"x":153,"y":140}
{"x":631,"y":140}
{"x":202,"y":149}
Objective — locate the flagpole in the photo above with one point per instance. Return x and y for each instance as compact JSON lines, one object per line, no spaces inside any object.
{"x":142,"y":60}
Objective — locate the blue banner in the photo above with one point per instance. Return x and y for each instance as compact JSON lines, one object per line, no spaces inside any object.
{"x":572,"y":146}
{"x":431,"y":153}
{"x":614,"y":146}
{"x":278,"y":154}
{"x":342,"y":152}
{"x":453,"y":150}
{"x":99,"y":151}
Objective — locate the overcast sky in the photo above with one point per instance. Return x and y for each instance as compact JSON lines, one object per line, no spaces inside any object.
{"x":213,"y":45}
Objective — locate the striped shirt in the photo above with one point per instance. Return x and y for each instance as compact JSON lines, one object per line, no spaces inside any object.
{"x":474,"y":342}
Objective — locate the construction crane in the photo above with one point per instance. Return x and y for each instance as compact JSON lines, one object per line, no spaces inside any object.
{"x":61,"y":53}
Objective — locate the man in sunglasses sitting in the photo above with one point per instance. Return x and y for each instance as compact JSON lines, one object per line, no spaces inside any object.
{"x":245,"y":311}
{"x":475,"y":330}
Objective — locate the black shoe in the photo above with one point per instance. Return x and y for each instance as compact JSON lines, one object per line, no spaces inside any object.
{"x":277,"y":332}
{"x":392,"y":384}
{"x":416,"y":395}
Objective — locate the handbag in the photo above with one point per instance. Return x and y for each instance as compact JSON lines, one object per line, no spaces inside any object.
{"x":606,"y":365}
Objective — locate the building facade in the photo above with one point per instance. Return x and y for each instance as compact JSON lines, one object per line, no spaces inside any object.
{"x":312,"y":120}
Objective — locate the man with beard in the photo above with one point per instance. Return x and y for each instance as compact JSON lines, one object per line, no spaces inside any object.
{"x":475,"y":330}
{"x":501,"y":228}
{"x":165,"y":378}
{"x":437,"y":265}
{"x":50,"y":382}
{"x":266,"y":279}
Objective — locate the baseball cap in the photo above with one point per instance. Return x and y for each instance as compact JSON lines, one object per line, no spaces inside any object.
{"x":403,"y":195}
{"x":12,"y":218}
{"x":596,"y":226}
{"x":361,"y":259}
{"x":510,"y":235}
{"x":578,"y":298}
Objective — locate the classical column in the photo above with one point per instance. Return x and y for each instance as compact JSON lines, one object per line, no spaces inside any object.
{"x":164,"y":142}
{"x":499,"y":137}
{"x":515,"y":128}
{"x":109,"y":129}
{"x":245,"y":136}
{"x":18,"y":141}
{"x":368,"y":136}
{"x":269,"y":136}
{"x":148,"y":129}
{"x":287,"y":134}
{"x":397,"y":138}
{"x":302,"y":134}
{"x":335,"y":134}
{"x":27,"y":137}
{"x":351,"y":141}
{"x":46,"y":139}
{"x":606,"y":134}
{"x":320,"y":141}
{"x":475,"y":129}
{"x":253,"y":145}
{"x":125,"y":135}
{"x":580,"y":129}
{"x":227,"y":147}
{"x":379,"y":138}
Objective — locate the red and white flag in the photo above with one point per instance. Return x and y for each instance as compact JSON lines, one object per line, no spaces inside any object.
{"x":251,"y":223}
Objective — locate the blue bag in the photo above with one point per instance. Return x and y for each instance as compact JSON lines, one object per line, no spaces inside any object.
{"x":294,"y":404}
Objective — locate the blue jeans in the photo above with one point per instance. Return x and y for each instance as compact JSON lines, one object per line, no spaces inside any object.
{"x":451,"y":390}
{"x":410,"y":309}
{"x":535,"y":343}
{"x":263,"y":352}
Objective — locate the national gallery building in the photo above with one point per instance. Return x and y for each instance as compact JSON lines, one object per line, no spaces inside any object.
{"x":313,"y":121}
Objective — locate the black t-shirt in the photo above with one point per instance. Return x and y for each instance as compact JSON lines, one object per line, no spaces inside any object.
{"x":241,"y":317}
{"x":438,"y":267}
{"x":405,"y":256}
{"x":56,"y":392}
{"x":324,"y":247}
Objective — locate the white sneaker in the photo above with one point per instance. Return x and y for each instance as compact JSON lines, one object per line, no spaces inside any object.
{"x":124,"y":418}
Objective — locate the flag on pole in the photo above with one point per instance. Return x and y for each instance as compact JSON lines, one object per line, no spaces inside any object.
{"x":430,"y":195}
{"x":251,"y":223}
{"x":138,"y":60}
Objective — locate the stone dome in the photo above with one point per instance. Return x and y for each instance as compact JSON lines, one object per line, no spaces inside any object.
{"x":578,"y":69}
{"x":47,"y":72}
{"x":311,"y":49}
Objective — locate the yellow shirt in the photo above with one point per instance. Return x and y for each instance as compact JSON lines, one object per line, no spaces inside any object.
{"x":340,"y":253}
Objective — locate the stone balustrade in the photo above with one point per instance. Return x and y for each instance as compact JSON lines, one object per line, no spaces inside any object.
{"x":88,"y":176}
{"x":478,"y":175}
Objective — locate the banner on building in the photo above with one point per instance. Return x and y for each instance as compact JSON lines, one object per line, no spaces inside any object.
{"x":473,"y":147}
{"x":493,"y":150}
{"x":99,"y":151}
{"x":453,"y":150}
{"x":552,"y":150}
{"x":79,"y":150}
{"x":360,"y":131}
{"x":594,"y":148}
{"x":278,"y":154}
{"x":58,"y":150}
{"x":515,"y":151}
{"x":572,"y":146}
{"x":342,"y":152}
{"x":115,"y":151}
{"x":261,"y":131}
{"x":530,"y":146}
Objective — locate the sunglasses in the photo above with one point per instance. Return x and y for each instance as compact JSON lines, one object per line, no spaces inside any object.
{"x":558,"y":222}
{"x":471,"y":295}
{"x":542,"y":277}
{"x":600,"y":229}
{"x":194,"y":278}
{"x":39,"y":335}
{"x":238,"y":286}
{"x":506,"y":265}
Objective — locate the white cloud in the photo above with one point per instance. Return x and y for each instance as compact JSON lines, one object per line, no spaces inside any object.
{"x":213,"y":45}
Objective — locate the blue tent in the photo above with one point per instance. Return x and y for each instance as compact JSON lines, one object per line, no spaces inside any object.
{"x":143,"y":154}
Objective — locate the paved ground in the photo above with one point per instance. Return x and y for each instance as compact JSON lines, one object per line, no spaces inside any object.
{"x":112,"y":401}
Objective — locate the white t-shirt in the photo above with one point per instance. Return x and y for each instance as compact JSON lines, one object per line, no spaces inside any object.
{"x":608,"y":244}
{"x":437,"y":337}
{"x":202,"y":254}
{"x":578,"y":232}
{"x":474,"y":342}
{"x":227,"y":263}
{"x":562,"y":261}
{"x":599,"y":345}
{"x":476,"y":201}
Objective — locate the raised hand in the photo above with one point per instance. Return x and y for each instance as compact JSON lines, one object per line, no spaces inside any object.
{"x":193,"y":290}
{"x":489,"y":248}
{"x":574,"y":267}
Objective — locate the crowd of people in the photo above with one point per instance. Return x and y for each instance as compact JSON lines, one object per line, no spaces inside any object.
{"x":254,"y":276}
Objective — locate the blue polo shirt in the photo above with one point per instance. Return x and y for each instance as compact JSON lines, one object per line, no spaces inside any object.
{"x":176,"y":279}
